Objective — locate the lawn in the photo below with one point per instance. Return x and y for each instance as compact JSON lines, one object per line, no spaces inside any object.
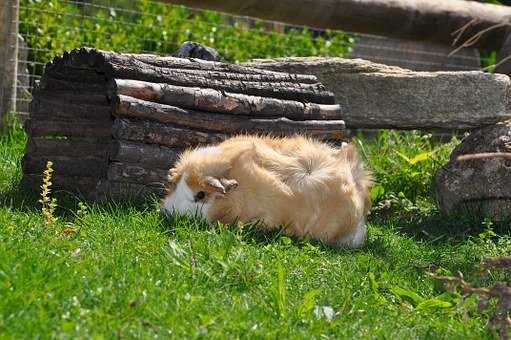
{"x":122,"y":270}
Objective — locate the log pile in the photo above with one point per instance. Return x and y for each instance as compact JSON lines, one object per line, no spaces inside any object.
{"x":113,"y":124}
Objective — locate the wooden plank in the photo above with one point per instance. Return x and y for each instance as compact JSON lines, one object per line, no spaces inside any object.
{"x":135,"y":173}
{"x":87,"y":107}
{"x":230,"y":124}
{"x":112,"y":190}
{"x":79,"y":185}
{"x":65,"y":166}
{"x":71,"y":147}
{"x":148,"y":155}
{"x":206,"y":99}
{"x":48,"y":126}
{"x":424,"y":20}
{"x":9,"y":10}
{"x":157,"y":133}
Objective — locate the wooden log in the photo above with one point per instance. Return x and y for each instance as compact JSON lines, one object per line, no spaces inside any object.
{"x":79,"y":185}
{"x":135,"y":173}
{"x":136,"y":108}
{"x":47,"y":126}
{"x":65,"y":166}
{"x":113,"y":190}
{"x":70,"y":147}
{"x":70,"y":108}
{"x":87,"y":57}
{"x":9,"y":10}
{"x":428,"y":20}
{"x":157,"y":133}
{"x":210,"y":100}
{"x":150,"y":155}
{"x":96,"y":98}
{"x":129,"y":67}
{"x":51,"y":84}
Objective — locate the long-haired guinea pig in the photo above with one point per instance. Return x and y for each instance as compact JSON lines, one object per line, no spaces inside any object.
{"x":308,"y":187}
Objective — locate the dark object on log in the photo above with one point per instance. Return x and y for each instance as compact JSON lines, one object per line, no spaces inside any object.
{"x":191,"y":49}
{"x":113,"y":124}
{"x":481,"y":184}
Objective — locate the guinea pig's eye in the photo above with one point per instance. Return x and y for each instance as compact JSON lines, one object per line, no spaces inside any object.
{"x":200,"y":196}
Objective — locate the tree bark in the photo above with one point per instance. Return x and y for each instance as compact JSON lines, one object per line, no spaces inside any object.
{"x":71,"y":147}
{"x":230,"y":124}
{"x":107,"y":189}
{"x":9,"y":10}
{"x":65,"y":166}
{"x":157,"y":133}
{"x":72,"y":107}
{"x":136,"y":173}
{"x":427,"y":20}
{"x":206,"y":99}
{"x":81,"y":185}
{"x":150,"y":155}
{"x":47,"y":126}
{"x":277,"y":85}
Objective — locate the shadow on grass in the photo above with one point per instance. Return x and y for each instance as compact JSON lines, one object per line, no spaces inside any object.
{"x":437,"y":228}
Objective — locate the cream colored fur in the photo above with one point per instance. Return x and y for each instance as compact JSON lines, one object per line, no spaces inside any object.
{"x":310,"y":188}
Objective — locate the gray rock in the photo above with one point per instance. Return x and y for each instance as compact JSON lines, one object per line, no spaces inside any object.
{"x":481,"y":184}
{"x":191,"y":49}
{"x":380,"y":96}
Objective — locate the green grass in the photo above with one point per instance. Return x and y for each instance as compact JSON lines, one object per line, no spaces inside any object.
{"x":125,"y":271}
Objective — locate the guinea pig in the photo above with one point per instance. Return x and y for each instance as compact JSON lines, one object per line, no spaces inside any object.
{"x":309,"y":188}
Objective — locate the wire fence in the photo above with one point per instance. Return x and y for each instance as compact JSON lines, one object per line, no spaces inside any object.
{"x":49,"y":27}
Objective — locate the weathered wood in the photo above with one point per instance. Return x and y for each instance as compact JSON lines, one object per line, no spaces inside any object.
{"x":87,"y":57}
{"x":429,"y":20}
{"x":378,"y":96}
{"x":51,"y":84}
{"x":47,"y":126}
{"x":70,"y":147}
{"x":136,"y":108}
{"x":66,"y":166}
{"x":135,"y":173}
{"x":278,"y":85}
{"x":150,"y":155}
{"x":286,"y":91}
{"x":158,"y":133}
{"x":80,"y":107}
{"x":9,"y":10}
{"x":107,"y":189}
{"x":78,"y":185}
{"x":222,"y":102}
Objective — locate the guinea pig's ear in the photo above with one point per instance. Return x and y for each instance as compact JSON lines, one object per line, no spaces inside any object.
{"x":222,"y":185}
{"x":348,"y":151}
{"x":172,"y":174}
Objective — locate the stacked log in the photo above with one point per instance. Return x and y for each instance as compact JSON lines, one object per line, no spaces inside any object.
{"x":113,"y":124}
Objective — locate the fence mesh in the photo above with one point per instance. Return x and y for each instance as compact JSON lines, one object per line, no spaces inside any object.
{"x":49,"y":27}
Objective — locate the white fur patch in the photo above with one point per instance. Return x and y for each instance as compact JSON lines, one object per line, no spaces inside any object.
{"x":207,"y":150}
{"x":357,"y":238}
{"x":182,"y":201}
